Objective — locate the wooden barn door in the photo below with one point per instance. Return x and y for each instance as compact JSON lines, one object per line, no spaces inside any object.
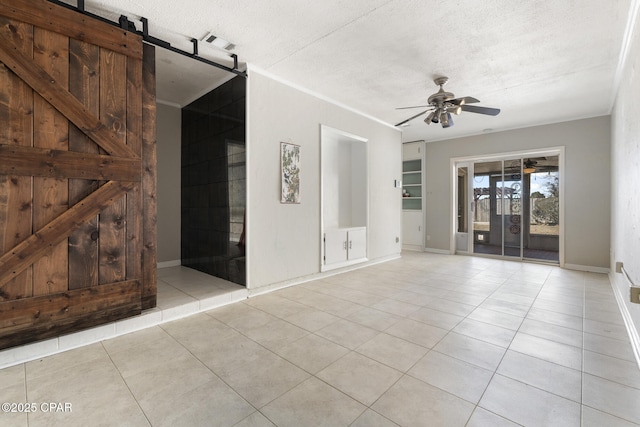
{"x":77,"y":172}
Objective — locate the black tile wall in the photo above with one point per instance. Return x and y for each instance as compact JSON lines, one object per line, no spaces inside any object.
{"x":214,"y":182}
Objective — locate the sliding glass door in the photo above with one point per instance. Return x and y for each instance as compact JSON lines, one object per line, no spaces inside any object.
{"x":515,"y":208}
{"x":542,"y":220}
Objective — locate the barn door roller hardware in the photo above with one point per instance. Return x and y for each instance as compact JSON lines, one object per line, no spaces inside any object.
{"x":125,"y":24}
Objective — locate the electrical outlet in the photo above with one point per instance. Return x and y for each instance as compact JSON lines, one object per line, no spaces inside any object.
{"x":619,"y":267}
{"x":635,"y":294}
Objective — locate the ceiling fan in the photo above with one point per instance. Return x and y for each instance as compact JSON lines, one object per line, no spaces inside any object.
{"x":529,"y":166}
{"x":442,"y":104}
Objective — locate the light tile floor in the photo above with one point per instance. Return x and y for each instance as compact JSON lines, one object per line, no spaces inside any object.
{"x":426,"y":340}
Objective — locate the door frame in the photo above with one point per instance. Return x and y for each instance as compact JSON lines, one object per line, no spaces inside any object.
{"x":468,"y":161}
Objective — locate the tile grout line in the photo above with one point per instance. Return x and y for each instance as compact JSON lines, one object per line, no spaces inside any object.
{"x":495,"y":372}
{"x":125,"y":383}
{"x":311,"y":375}
{"x":26,"y":389}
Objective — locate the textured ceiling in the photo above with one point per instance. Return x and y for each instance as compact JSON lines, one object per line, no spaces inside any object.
{"x":539,"y":61}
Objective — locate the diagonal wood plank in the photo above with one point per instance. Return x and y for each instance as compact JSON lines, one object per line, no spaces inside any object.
{"x":31,"y":161}
{"x":26,"y":253}
{"x":60,"y":98}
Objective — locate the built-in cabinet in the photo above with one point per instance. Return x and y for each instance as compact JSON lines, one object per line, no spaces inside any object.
{"x":344,"y":199}
{"x":345,"y":244}
{"x":413,"y":195}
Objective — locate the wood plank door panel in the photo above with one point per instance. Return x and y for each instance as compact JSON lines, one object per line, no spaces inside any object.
{"x":16,"y":117}
{"x":149,"y":178}
{"x":51,"y":131}
{"x":113,"y":110}
{"x":77,"y":172}
{"x":84,"y":84}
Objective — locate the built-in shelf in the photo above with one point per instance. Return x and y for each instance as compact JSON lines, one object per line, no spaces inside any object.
{"x":412,"y":182}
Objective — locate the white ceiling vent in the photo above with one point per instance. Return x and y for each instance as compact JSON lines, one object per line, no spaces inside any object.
{"x":218,"y":42}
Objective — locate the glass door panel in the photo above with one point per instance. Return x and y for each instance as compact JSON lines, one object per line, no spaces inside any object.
{"x":511,"y":197}
{"x":462,"y":209}
{"x":461,"y":200}
{"x":542,"y":213}
{"x":487,"y":229}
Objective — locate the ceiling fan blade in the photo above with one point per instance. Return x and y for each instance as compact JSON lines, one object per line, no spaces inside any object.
{"x":411,"y":118}
{"x":415,"y":106}
{"x":466,"y":99}
{"x":481,"y":110}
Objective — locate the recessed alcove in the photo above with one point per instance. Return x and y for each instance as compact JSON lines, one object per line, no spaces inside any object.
{"x":344,"y":198}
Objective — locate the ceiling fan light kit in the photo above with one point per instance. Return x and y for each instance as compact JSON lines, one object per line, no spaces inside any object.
{"x":446,"y":120}
{"x":430,"y":118}
{"x":442,"y":104}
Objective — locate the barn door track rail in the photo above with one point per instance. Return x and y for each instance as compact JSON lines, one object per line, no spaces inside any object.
{"x":128,"y":25}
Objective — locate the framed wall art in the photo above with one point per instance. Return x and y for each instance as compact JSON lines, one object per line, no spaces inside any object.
{"x":290,"y":172}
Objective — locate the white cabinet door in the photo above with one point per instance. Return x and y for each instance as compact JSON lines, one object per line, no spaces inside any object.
{"x":343,"y":245}
{"x":357,"y":243}
{"x":412,"y":228}
{"x":335,"y":246}
{"x":412,"y":150}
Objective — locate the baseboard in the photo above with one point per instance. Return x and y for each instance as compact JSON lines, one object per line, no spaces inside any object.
{"x":173,"y":263}
{"x":315,"y":276}
{"x":588,"y":268}
{"x":634,"y":337}
{"x":415,"y":248}
{"x":340,"y":265}
{"x":438,"y":251}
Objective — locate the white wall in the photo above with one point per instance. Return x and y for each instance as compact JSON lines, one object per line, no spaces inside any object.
{"x":284,"y":239}
{"x":586,"y":179}
{"x":169,"y":124}
{"x":625,"y":186}
{"x":358,"y":166}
